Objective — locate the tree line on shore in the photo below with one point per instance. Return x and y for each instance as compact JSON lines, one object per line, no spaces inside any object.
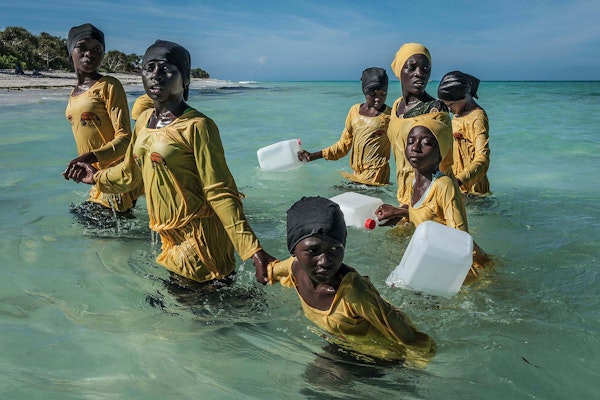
{"x":20,"y":49}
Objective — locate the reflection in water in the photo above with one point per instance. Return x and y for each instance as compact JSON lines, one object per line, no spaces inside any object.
{"x":96,"y":215}
{"x":339,"y":373}
{"x":85,"y":311}
{"x":221,"y":300}
{"x":99,"y":221}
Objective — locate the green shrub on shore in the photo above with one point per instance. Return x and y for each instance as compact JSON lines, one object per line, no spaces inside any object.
{"x":46,"y":52}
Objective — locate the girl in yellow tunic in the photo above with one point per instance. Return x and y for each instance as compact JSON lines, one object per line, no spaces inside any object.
{"x":364,"y":134}
{"x":98,"y":113}
{"x":433,"y":195}
{"x":336,"y":297}
{"x":192,"y":199}
{"x":412,"y":66}
{"x":470,"y":128}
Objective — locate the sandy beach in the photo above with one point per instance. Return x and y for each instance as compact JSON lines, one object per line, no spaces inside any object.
{"x":16,"y":89}
{"x":63,"y":79}
{"x":52,"y":80}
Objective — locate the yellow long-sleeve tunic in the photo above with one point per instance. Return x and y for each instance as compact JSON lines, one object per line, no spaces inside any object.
{"x":100,"y":122}
{"x":404,"y":171}
{"x":140,"y":105}
{"x":367,"y":138}
{"x":443,"y":203}
{"x":362,"y":321}
{"x":472,"y":151}
{"x":192,"y":199}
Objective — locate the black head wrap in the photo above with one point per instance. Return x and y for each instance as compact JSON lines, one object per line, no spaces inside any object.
{"x":374,"y":78}
{"x":174,"y":54}
{"x":455,"y":85}
{"x":312,"y":215}
{"x":85,"y":31}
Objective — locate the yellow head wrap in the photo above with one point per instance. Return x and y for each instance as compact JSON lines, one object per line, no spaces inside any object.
{"x":438,"y":123}
{"x":406,"y":51}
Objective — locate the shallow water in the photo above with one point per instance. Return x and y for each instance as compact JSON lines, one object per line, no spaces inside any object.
{"x":87,"y":313}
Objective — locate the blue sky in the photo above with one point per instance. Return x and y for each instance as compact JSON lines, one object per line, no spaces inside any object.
{"x":335,"y":40}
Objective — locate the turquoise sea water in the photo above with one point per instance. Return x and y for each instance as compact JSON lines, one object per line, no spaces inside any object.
{"x":86,"y":314}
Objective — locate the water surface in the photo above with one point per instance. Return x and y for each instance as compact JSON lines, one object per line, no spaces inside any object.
{"x":87,"y":313}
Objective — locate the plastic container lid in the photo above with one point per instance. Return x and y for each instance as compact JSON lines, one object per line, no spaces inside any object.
{"x":370,"y":223}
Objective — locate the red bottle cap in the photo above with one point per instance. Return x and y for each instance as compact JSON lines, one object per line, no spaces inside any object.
{"x":370,"y":223}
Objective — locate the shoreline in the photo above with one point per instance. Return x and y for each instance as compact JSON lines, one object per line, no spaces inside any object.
{"x":52,"y":80}
{"x":63,"y":79}
{"x":18,"y":89}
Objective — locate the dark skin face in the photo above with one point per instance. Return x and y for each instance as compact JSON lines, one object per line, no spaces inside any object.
{"x":87,"y":56}
{"x":374,"y":103}
{"x":423,"y":153}
{"x":422,"y":150}
{"x":164,"y":84}
{"x":414,"y":78}
{"x":319,"y":269}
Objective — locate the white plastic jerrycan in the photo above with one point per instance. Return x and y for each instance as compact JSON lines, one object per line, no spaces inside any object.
{"x":436,"y":260}
{"x":280,"y":156}
{"x":358,"y":209}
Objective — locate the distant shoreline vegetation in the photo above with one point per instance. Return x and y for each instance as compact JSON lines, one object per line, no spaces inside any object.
{"x":21,"y":49}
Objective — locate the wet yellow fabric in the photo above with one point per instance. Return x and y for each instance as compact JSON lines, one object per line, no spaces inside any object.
{"x":367,"y":138}
{"x":361,"y":320}
{"x":99,"y":119}
{"x":472,"y":151}
{"x":141,"y":104}
{"x":398,"y":134}
{"x":191,"y":196}
{"x":443,"y":203}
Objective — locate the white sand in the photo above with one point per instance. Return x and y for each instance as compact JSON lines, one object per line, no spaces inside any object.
{"x":52,"y":80}
{"x":17,"y":89}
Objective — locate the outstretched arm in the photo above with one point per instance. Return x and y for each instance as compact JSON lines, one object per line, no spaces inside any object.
{"x":308,"y":156}
{"x":392,"y":215}
{"x":72,"y":172}
{"x":80,"y":172}
{"x":261,"y":260}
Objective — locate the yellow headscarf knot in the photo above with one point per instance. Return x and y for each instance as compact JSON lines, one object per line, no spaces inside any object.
{"x":438,"y":123}
{"x":406,"y":51}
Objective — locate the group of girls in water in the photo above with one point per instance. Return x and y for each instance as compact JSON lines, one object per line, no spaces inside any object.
{"x":175,"y":158}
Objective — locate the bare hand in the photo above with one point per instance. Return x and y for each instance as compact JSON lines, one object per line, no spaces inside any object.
{"x":392,"y":214}
{"x":304,"y":155}
{"x":77,"y":173}
{"x":261,"y":259}
{"x":81,"y":172}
